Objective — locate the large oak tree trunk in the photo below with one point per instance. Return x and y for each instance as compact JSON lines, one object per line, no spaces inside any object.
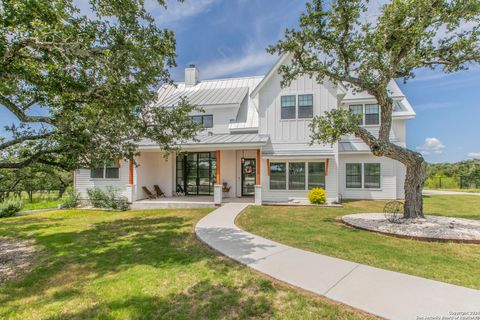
{"x":414,"y":179}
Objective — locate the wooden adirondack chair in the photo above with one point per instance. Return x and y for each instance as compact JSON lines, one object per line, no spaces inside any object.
{"x":159,"y":191}
{"x":148,"y":193}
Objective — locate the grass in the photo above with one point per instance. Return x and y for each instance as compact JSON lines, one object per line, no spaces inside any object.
{"x":319,"y":229}
{"x":40,"y":201}
{"x":456,"y":190}
{"x":141,"y":265}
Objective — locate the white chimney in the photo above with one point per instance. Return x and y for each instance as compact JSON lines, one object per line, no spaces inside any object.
{"x":191,"y":76}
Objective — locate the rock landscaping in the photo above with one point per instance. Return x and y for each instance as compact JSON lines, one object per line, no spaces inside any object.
{"x":432,"y":228}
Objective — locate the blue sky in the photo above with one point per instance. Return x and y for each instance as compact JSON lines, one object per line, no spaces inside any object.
{"x":227,"y":38}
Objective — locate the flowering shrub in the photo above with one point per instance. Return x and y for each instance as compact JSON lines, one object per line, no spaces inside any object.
{"x":317,"y":196}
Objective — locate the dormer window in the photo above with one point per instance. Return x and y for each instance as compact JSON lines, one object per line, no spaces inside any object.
{"x":370,"y":113}
{"x":206,"y":120}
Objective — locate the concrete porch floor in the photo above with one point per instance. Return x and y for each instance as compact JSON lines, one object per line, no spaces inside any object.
{"x":184,"y":202}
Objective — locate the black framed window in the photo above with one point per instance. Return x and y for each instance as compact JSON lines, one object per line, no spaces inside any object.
{"x":109,"y":171}
{"x":288,"y":107}
{"x":316,"y":175}
{"x":371,"y":175}
{"x":357,"y":109}
{"x":296,"y":176}
{"x":278,"y":176}
{"x":305,"y":106}
{"x":206,"y":120}
{"x":354,"y":175}
{"x":372,"y":114}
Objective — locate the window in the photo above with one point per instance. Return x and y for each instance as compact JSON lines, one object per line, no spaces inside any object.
{"x":305,"y":106}
{"x":357,"y":109}
{"x":296,"y":176}
{"x":316,"y":175}
{"x":372,"y":114}
{"x":354,"y":175}
{"x":206,"y":120}
{"x":278,"y":176}
{"x":371,"y":175}
{"x":109,"y":171}
{"x":288,"y":107}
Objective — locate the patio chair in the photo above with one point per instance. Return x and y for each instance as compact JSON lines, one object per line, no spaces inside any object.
{"x":148,"y":193}
{"x":158,"y":191}
{"x":180,"y":190}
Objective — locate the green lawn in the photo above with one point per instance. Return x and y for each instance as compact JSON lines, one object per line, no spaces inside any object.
{"x":141,"y":265}
{"x":40,"y":201}
{"x":319,"y":229}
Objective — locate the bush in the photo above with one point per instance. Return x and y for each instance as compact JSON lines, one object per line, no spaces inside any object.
{"x":10,"y":207}
{"x":69,"y":199}
{"x":108,"y":199}
{"x":317,"y":196}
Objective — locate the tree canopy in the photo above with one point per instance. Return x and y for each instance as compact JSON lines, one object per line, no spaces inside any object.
{"x":339,"y":41}
{"x":80,"y":83}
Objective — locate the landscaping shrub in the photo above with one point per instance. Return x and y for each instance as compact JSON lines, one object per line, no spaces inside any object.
{"x":69,"y":199}
{"x":317,"y":196}
{"x":108,"y":199}
{"x":10,"y":207}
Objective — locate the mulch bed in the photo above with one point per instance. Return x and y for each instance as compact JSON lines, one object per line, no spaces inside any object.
{"x":16,"y":258}
{"x":432,"y":228}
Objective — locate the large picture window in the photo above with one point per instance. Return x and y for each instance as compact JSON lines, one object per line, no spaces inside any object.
{"x":109,"y":171}
{"x":305,"y":106}
{"x":296,"y":176}
{"x":354,"y":175}
{"x":371,"y":175}
{"x":288,"y":107}
{"x":316,"y":175}
{"x":206,"y":120}
{"x":278,"y":176}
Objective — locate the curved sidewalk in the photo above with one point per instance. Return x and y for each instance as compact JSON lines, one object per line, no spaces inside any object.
{"x":384,"y":293}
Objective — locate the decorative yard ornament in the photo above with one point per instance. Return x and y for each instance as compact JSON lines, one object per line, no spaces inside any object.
{"x":337,"y":40}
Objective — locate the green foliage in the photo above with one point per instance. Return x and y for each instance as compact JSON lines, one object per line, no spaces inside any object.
{"x":463,"y":174}
{"x":317,"y":196}
{"x":93,"y":75}
{"x":108,"y":199}
{"x":332,"y":125}
{"x":10,"y":207}
{"x":69,"y":199}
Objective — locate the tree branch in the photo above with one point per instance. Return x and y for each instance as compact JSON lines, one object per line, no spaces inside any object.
{"x":19,"y":112}
{"x":23,"y":139}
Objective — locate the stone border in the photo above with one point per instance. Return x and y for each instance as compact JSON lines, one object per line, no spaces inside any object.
{"x":410,"y":237}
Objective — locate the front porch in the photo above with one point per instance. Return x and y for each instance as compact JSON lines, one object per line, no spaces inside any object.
{"x":184,"y":202}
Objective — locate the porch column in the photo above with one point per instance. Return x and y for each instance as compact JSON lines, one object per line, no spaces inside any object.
{"x":258,"y":186}
{"x":217,"y":188}
{"x":130,"y":189}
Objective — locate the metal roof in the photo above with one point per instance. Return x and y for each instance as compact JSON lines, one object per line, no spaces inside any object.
{"x":294,"y":149}
{"x":207,"y":97}
{"x":352,"y":146}
{"x":219,"y":140}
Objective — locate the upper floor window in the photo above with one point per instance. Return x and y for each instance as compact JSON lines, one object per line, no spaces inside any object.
{"x":206,"y":120}
{"x":305,"y":106}
{"x":288,"y":107}
{"x":370,"y":113}
{"x":109,"y":171}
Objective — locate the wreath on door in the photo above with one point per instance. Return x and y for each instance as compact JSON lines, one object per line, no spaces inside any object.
{"x":248,"y":169}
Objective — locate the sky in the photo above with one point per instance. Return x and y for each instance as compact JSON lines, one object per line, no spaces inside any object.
{"x":227,"y":38}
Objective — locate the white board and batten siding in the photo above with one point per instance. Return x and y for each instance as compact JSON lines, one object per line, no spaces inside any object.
{"x":83,"y":182}
{"x":391,"y":180}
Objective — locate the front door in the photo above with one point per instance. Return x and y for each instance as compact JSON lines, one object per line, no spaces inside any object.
{"x":199,"y":172}
{"x":248,"y":177}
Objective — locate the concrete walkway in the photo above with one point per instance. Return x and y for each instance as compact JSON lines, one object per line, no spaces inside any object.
{"x":387,"y":294}
{"x":451,"y":193}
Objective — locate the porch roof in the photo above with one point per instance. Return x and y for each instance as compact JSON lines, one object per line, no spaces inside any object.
{"x":217,"y":141}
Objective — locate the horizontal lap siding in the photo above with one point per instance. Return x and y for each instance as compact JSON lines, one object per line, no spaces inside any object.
{"x":388,"y":178}
{"x":84,"y":182}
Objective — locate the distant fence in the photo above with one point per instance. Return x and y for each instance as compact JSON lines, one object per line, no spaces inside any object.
{"x":461,"y":182}
{"x":30,"y":195}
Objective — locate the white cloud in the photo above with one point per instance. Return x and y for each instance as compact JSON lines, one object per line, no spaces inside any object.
{"x":252,"y":60}
{"x":177,"y":10}
{"x":431,"y":146}
{"x":474,"y":155}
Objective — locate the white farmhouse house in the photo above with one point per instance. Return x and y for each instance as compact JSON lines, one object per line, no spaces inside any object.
{"x":256,"y":142}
